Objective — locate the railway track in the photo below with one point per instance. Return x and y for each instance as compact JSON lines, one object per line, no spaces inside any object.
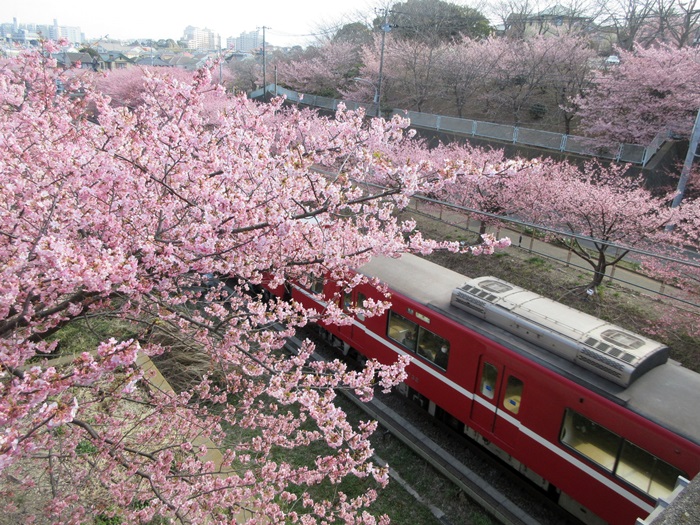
{"x":530,"y":507}
{"x":498,"y":505}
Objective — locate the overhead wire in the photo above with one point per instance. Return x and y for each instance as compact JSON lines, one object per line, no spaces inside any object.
{"x":327,"y":32}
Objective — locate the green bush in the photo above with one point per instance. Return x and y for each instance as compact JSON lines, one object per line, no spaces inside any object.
{"x":538,"y":111}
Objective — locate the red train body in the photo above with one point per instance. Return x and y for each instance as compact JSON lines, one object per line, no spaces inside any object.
{"x":606,"y":450}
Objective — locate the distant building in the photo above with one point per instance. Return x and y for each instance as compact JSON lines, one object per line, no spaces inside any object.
{"x":69,"y":60}
{"x":152,"y":61}
{"x":72,"y":34}
{"x":554,"y":20}
{"x":33,"y":33}
{"x":114,"y":60}
{"x":201,"y":39}
{"x":248,"y":41}
{"x":6,"y":31}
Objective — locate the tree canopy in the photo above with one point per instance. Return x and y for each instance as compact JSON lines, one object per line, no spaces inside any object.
{"x":167,"y":218}
{"x":651,"y":90}
{"x":356,"y":33}
{"x":434,"y":21}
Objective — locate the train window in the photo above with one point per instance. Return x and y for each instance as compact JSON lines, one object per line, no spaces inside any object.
{"x":347,"y":301}
{"x":348,"y":304}
{"x":402,"y":330}
{"x":416,"y":338}
{"x":590,"y":439}
{"x":646,"y":472}
{"x":489,"y":376}
{"x":635,"y":465}
{"x":361,"y":298}
{"x":315,"y":284}
{"x":433,"y":347}
{"x":513,"y":395}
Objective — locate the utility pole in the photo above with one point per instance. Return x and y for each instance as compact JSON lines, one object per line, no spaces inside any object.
{"x":217,"y":43}
{"x":376,"y":93}
{"x":385,"y":29}
{"x":264,"y":64}
{"x":688,"y":164}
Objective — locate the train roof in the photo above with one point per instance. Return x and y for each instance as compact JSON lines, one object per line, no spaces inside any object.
{"x":593,"y":343}
{"x":665,"y":394}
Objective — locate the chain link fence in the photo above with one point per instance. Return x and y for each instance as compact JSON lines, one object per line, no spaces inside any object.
{"x":621,"y":152}
{"x":535,"y":240}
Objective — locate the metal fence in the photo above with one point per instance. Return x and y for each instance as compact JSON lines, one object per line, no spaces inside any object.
{"x":622,"y":152}
{"x":533,"y":239}
{"x":632,"y":153}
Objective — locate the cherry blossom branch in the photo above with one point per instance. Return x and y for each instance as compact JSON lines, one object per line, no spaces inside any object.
{"x":139,"y":472}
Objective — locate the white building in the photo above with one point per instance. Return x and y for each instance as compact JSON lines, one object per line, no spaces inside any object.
{"x":201,"y":39}
{"x":26,"y":33}
{"x":72,"y":34}
{"x":249,"y":41}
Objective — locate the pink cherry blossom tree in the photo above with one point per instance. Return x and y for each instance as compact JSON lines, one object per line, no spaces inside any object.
{"x":322,"y":70}
{"x":603,"y":205}
{"x":129,"y":87}
{"x":600,"y":212}
{"x":545,"y":70}
{"x":680,"y":266}
{"x":411,"y":73}
{"x":370,"y":58}
{"x":570,"y":74}
{"x":140,"y":215}
{"x":412,"y":66}
{"x":126,"y":87}
{"x":462,"y":70}
{"x":510,"y":75}
{"x":650,"y":90}
{"x":519,"y":71}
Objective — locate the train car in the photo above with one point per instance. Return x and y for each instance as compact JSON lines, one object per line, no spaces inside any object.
{"x":595,"y":414}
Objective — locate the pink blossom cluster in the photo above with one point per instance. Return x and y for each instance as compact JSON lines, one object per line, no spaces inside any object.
{"x":167,"y":211}
{"x":664,"y":99}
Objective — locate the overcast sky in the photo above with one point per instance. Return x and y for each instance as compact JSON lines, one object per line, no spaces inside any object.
{"x":289,"y":22}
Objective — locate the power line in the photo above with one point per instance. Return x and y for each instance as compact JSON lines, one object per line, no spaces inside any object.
{"x":519,"y":222}
{"x":327,"y":32}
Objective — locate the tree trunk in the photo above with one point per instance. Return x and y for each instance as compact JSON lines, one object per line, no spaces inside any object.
{"x":599,"y":271}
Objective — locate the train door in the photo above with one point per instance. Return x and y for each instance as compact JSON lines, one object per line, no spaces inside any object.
{"x":497,"y":399}
{"x":349,"y":301}
{"x":485,"y":395}
{"x":507,"y":425}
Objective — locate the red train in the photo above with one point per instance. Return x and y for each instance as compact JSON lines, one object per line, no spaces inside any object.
{"x":587,"y":410}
